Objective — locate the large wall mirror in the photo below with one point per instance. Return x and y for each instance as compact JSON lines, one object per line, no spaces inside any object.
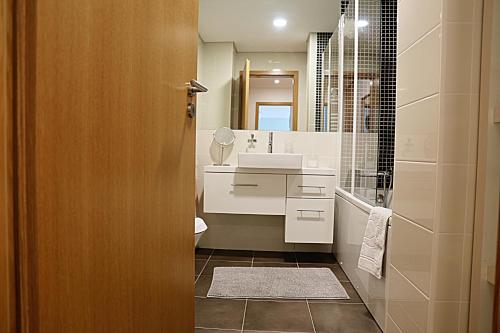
{"x":263,"y":62}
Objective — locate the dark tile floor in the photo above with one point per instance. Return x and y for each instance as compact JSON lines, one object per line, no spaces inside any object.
{"x":266,"y":316}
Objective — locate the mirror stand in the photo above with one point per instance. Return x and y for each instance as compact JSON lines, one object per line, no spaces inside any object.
{"x":224,"y":137}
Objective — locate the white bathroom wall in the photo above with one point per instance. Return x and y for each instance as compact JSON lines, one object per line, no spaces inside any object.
{"x":215,"y":71}
{"x":285,"y":61}
{"x":257,"y":232}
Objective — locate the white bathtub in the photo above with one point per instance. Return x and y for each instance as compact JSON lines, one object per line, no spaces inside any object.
{"x":351,"y":217}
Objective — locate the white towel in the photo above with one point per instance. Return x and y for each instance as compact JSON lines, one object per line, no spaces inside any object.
{"x":373,"y":247}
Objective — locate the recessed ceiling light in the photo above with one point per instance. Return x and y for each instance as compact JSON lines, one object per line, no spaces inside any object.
{"x":279,"y":22}
{"x":362,"y":23}
{"x":276,"y":81}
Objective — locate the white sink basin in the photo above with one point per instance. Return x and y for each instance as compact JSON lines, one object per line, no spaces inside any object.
{"x":270,"y":161}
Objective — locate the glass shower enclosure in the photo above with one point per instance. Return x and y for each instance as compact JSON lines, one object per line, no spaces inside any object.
{"x":355,"y":94}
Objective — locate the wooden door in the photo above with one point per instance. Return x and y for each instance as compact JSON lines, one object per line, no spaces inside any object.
{"x":106,"y":165}
{"x":7,"y":275}
{"x":245,"y":93}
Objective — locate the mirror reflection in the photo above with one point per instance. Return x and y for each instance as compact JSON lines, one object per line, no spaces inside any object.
{"x":263,"y":62}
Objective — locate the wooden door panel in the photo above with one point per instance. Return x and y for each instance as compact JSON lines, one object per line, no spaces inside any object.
{"x":111,"y":186}
{"x":245,"y":94}
{"x":7,"y":274}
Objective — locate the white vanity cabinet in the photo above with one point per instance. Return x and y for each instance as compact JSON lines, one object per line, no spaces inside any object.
{"x":309,"y":209}
{"x":305,"y":197}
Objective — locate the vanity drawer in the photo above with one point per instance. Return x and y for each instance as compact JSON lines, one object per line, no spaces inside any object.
{"x":308,"y":186}
{"x":245,"y":193}
{"x":309,"y":221}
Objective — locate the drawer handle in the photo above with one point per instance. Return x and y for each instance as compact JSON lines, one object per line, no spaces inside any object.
{"x":320,"y":188}
{"x":302,"y":211}
{"x":310,"y":186}
{"x":245,"y":185}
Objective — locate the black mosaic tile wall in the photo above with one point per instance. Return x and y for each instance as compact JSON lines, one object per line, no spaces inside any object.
{"x":388,"y":87}
{"x":322,"y":43}
{"x":343,"y":6}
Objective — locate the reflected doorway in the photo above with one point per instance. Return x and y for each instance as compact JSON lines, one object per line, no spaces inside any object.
{"x":274,"y":116}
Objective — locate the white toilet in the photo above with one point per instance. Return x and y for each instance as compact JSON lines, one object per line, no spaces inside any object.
{"x":199,"y":228}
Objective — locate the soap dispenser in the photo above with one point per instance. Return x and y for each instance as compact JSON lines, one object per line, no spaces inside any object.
{"x":251,"y":144}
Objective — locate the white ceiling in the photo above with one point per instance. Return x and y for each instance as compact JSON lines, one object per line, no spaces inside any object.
{"x":249,"y":23}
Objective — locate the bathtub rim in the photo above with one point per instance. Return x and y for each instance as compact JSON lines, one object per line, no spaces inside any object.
{"x":366,"y":207}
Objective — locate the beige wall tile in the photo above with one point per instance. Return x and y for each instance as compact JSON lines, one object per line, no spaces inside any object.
{"x":478,"y":10}
{"x":466,"y":268}
{"x":476,"y":58}
{"x":445,"y":317}
{"x":390,"y":326}
{"x":447,"y":277}
{"x":410,"y":29}
{"x":452,"y":197}
{"x":458,"y":10}
{"x":463,"y":325}
{"x":418,"y":69}
{"x":470,"y":201}
{"x":454,"y":128}
{"x":472,"y":130}
{"x":415,"y":192}
{"x":417,"y":130}
{"x":411,"y":252}
{"x":457,"y":57}
{"x":407,"y":306}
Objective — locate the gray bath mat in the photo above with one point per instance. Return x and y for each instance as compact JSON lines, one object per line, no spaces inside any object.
{"x":274,"y":282}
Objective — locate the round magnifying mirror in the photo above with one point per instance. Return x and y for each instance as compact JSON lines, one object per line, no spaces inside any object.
{"x":224,"y":137}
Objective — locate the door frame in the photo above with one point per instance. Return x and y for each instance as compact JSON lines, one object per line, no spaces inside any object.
{"x":484,"y":96}
{"x":8,"y":318}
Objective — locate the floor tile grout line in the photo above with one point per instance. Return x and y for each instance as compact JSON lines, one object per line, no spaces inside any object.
{"x":244,"y":316}
{"x":215,"y":328}
{"x":246,"y":300}
{"x":287,"y":300}
{"x":277,"y":262}
{"x":307,"y":302}
{"x":250,"y":331}
{"x":310,"y":315}
{"x":275,"y":300}
{"x":204,"y":266}
{"x":231,"y":261}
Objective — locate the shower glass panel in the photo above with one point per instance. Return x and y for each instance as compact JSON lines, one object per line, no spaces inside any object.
{"x":346,"y":58}
{"x":325,"y":78}
{"x":368,"y":101}
{"x":352,"y":67}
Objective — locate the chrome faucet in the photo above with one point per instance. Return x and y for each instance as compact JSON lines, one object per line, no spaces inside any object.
{"x":270,"y":143}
